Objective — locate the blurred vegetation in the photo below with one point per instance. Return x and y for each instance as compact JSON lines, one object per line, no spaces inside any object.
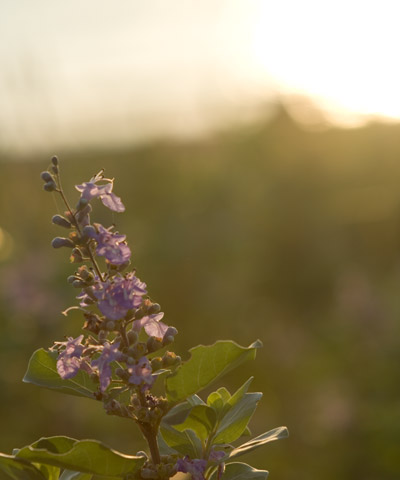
{"x":267,"y":231}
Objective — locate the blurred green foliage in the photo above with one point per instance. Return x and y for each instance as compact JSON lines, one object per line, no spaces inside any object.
{"x":268,"y":231}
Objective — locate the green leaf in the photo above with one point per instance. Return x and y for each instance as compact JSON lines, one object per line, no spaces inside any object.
{"x":201,"y":420}
{"x":185,"y":442}
{"x":216,"y":402}
{"x":240,"y":392}
{"x":42,"y":371}
{"x":19,"y":469}
{"x":235,"y":421}
{"x":70,"y":475}
{"x":87,"y":456}
{"x":49,"y":472}
{"x":207,"y":364}
{"x":272,"y":435}
{"x":241,"y":471}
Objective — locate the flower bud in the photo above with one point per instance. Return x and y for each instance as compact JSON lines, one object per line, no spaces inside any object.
{"x":156,"y":363}
{"x":54,"y":160}
{"x":82,"y":216}
{"x":61,"y":221}
{"x":154,"y":344}
{"x":47,"y":177}
{"x":89,"y":231}
{"x":82,"y":203}
{"x":54,"y":169}
{"x":50,"y":186}
{"x":59,"y":242}
{"x":154,"y":308}
{"x":169,"y":336}
{"x":132,"y":337}
{"x":71,"y":279}
{"x":170,"y":359}
{"x":78,"y":283}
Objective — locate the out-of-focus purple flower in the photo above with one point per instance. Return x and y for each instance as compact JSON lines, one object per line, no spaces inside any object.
{"x":69,"y":361}
{"x":152,"y":325}
{"x":111,"y":245}
{"x":119,"y":295}
{"x":195,"y":467}
{"x":216,"y":456}
{"x":141,"y":374}
{"x":109,"y":354}
{"x":90,"y":190}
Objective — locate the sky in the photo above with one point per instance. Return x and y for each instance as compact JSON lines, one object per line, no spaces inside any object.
{"x":94,"y":72}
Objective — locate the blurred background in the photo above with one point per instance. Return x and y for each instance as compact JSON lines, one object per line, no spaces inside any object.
{"x":256,"y":147}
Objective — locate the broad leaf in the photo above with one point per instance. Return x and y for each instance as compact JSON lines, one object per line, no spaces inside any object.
{"x":272,"y":435}
{"x":206,"y":364}
{"x":42,"y":371}
{"x":201,"y":420}
{"x":185,"y":442}
{"x":87,"y":456}
{"x":19,"y":469}
{"x":234,"y":423}
{"x":241,"y":471}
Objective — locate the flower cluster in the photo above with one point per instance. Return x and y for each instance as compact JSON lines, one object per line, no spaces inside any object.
{"x":124,"y":327}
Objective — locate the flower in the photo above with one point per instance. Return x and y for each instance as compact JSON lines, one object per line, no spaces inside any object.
{"x":69,"y":361}
{"x":152,"y":325}
{"x":90,"y":190}
{"x":195,"y":467}
{"x":119,"y":295}
{"x":109,"y":354}
{"x":141,"y":373}
{"x":110,"y":245}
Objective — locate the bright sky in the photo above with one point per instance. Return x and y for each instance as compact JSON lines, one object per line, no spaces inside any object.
{"x":95,"y":71}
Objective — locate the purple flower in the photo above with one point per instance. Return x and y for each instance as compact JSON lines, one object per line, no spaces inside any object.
{"x":109,"y":354}
{"x":69,"y":361}
{"x":119,"y":295}
{"x":195,"y":467}
{"x":90,"y":190}
{"x":141,"y":374}
{"x":110,"y":245}
{"x":216,"y":456}
{"x":152,"y":325}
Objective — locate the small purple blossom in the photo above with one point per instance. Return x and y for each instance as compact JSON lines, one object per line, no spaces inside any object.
{"x":110,"y":245}
{"x":69,"y":361}
{"x":141,"y":373}
{"x":119,"y":295}
{"x":216,"y":456}
{"x":152,"y":325}
{"x":90,"y":190}
{"x":109,"y":354}
{"x":195,"y":467}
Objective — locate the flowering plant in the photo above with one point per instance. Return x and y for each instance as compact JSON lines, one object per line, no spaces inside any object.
{"x":122,"y":353}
